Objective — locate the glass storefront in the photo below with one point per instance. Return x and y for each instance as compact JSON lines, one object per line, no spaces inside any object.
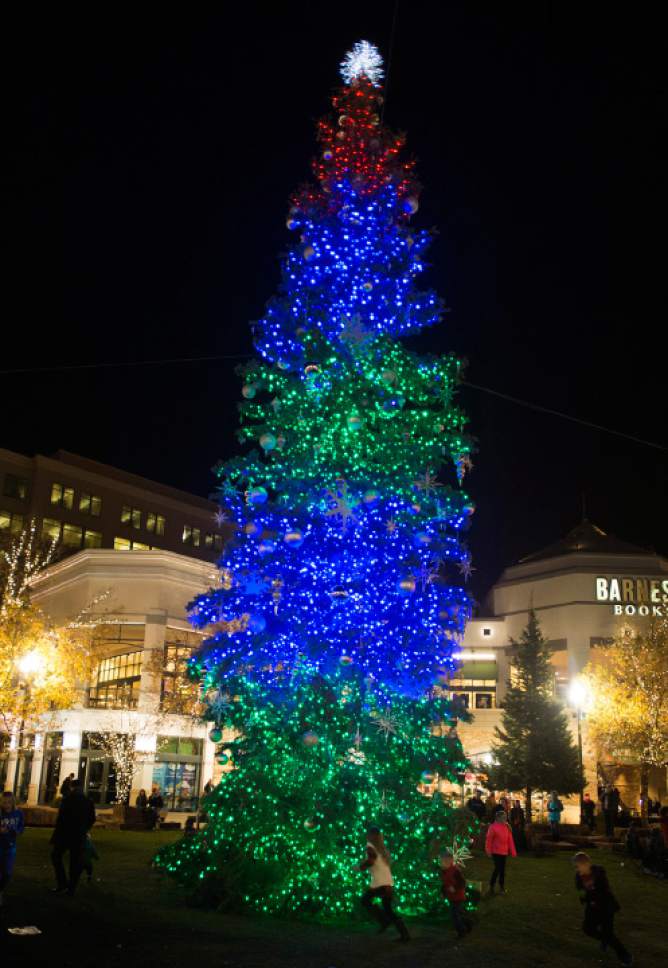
{"x":97,"y":771}
{"x":49,"y":786}
{"x":24,"y":767}
{"x":177,"y":769}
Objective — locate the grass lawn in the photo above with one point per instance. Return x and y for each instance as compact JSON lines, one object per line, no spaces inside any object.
{"x":131,"y":916}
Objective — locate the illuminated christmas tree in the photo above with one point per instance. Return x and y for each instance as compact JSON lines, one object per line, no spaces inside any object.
{"x":341,"y":598}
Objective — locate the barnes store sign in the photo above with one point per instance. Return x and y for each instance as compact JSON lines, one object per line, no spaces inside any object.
{"x":634,"y":596}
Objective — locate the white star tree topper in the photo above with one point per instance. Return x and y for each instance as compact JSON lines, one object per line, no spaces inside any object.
{"x":364,"y":58}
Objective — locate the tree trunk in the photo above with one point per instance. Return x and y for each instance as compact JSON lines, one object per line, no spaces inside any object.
{"x":644,"y":790}
{"x":528,"y":807}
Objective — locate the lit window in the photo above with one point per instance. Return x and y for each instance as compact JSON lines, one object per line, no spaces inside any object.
{"x":155,"y":523}
{"x":13,"y":523}
{"x":218,"y":542}
{"x":62,"y":497}
{"x":191,"y":535}
{"x":90,"y":504}
{"x":140,"y":546}
{"x":208,"y":540}
{"x":16,"y":487}
{"x":122,"y":544}
{"x":92,"y":539}
{"x":51,"y":529}
{"x":131,"y":516}
{"x":72,"y":535}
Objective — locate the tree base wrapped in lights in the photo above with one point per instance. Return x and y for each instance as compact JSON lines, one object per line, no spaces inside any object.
{"x":317,"y":761}
{"x":333,"y":631}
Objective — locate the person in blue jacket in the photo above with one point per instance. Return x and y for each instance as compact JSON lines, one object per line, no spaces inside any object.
{"x":11,"y":826}
{"x":554,"y":810}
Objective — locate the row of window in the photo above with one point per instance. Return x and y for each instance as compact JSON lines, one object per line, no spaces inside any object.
{"x":155,"y":523}
{"x":71,"y":535}
{"x":193,"y":536}
{"x":63,"y":497}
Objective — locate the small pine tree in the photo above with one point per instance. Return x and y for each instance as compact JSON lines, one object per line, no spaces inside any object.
{"x":535,"y":749}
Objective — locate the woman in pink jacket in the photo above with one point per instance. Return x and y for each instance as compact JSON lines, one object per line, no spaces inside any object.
{"x":498,"y":844}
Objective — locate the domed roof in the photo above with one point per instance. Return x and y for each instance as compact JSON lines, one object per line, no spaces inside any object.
{"x":587,"y":537}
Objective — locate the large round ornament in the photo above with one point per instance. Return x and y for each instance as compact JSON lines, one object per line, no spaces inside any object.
{"x":309,"y":253}
{"x":311,"y":824}
{"x":215,"y":734}
{"x":257,"y":495}
{"x":223,"y":759}
{"x":248,"y":391}
{"x":354,"y":421}
{"x":411,"y":204}
{"x":345,"y":660}
{"x":422,"y":539}
{"x":252,"y":528}
{"x":294,"y":538}
{"x":267,"y":441}
{"x":427,"y":776}
{"x":327,"y":155}
{"x":371,"y":497}
{"x":310,"y":738}
{"x":388,"y":376}
{"x":406,"y":586}
{"x":256,"y":622}
{"x":367,"y":286}
{"x":266,"y":546}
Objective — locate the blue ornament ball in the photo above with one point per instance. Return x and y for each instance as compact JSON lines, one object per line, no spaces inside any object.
{"x":215,"y":734}
{"x":257,"y":495}
{"x":294,"y":538}
{"x":371,"y":497}
{"x":257,"y":622}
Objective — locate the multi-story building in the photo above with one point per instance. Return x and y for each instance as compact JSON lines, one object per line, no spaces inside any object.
{"x":141,"y":551}
{"x":81,"y":503}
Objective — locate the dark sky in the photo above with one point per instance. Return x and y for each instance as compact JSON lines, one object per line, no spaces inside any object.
{"x":150,"y":157}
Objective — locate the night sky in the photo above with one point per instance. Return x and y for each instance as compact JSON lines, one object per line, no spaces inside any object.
{"x":150,"y":158}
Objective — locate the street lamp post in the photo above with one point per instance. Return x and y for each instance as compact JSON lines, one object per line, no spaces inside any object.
{"x":29,"y":665}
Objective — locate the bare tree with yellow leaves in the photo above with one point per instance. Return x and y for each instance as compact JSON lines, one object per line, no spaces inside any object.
{"x":628,"y":687}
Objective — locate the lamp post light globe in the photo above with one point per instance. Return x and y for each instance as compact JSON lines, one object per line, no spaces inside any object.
{"x":578,"y":694}
{"x":31,"y":663}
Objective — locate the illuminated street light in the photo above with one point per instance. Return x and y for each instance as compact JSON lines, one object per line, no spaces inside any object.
{"x":31,"y":663}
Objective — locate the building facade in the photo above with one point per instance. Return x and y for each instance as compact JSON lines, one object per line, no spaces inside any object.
{"x":81,"y":503}
{"x":583,"y":588}
{"x":140,"y":637}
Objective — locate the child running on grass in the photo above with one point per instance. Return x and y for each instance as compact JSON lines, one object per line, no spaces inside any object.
{"x":453,"y":889}
{"x":600,"y":906}
{"x":377,"y":862}
{"x":90,"y":854}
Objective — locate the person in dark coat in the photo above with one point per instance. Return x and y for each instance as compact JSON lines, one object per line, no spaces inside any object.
{"x":155,"y":805}
{"x":610,"y":804}
{"x":600,"y":906}
{"x":589,"y":813}
{"x":66,"y":786}
{"x":75,"y":818}
{"x":517,"y":824}
{"x":476,"y":805}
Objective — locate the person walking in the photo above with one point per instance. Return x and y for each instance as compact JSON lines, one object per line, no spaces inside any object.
{"x":75,"y":818}
{"x":610,"y":804}
{"x":491,"y":806}
{"x":11,"y":827}
{"x":378,"y":863}
{"x":476,"y":806}
{"x":499,"y":844}
{"x":589,"y":813}
{"x":517,"y":825}
{"x":453,"y":889}
{"x":600,"y":906}
{"x":554,"y":810}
